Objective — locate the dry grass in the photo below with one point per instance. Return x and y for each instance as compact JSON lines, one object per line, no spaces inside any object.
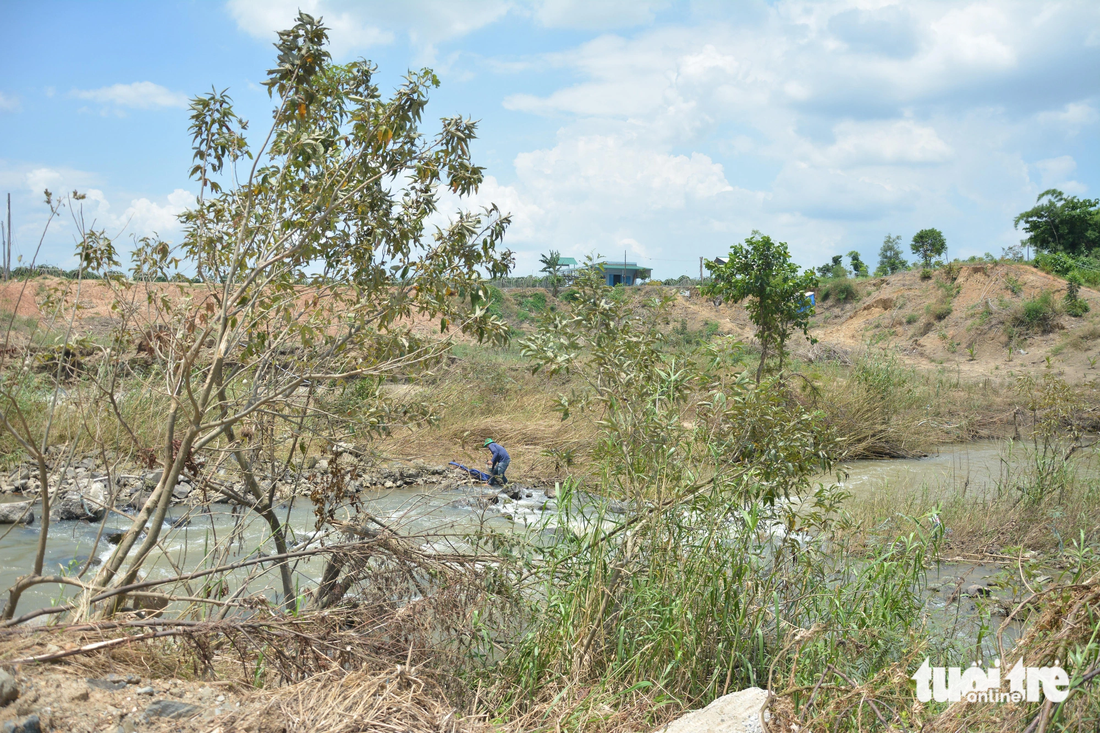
{"x":400,"y":699}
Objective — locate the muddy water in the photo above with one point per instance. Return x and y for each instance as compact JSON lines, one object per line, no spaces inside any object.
{"x":971,"y":469}
{"x":198,"y":537}
{"x":443,"y":516}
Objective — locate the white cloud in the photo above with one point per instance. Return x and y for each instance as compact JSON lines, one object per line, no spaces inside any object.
{"x":1071,"y":118}
{"x":9,"y":103}
{"x":1057,"y":172}
{"x":139,"y":95}
{"x":826,"y":121}
{"x":588,"y":15}
{"x":355,"y":27}
{"x":875,"y":142}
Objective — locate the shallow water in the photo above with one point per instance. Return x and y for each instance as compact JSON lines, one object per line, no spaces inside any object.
{"x":444,"y":516}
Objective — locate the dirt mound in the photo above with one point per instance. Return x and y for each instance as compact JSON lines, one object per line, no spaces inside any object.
{"x":967,"y":323}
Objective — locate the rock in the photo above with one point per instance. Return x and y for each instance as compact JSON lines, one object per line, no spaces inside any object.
{"x":171,"y":709}
{"x":145,"y":690}
{"x":87,"y":501}
{"x":552,"y":492}
{"x":107,"y":684}
{"x":152,"y":478}
{"x":975,"y":591}
{"x":16,"y":512}
{"x":29,"y":725}
{"x":738,"y":712}
{"x":181,"y":492}
{"x":9,"y":690}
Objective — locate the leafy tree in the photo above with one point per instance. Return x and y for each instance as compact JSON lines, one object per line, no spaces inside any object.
{"x":551,"y":265}
{"x":890,"y":259}
{"x":834,"y":269}
{"x":761,"y":271}
{"x":928,"y":244}
{"x":1061,"y":224}
{"x":314,"y":252}
{"x":859,"y":269}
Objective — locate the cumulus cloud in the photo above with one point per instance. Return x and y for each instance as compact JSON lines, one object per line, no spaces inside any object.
{"x":138,"y":95}
{"x":358,"y":26}
{"x":825,"y":120}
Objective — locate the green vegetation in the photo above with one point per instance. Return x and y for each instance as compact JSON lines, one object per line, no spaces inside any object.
{"x":761,"y":272}
{"x":1037,"y":315}
{"x":858,"y":268}
{"x":890,"y":259}
{"x":928,"y":244}
{"x":840,"y":290}
{"x":1061,"y":224}
{"x":551,"y":265}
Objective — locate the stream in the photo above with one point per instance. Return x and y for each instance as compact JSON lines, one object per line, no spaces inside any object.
{"x":443,"y":516}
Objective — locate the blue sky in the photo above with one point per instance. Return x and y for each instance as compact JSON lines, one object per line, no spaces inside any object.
{"x":668,"y":130}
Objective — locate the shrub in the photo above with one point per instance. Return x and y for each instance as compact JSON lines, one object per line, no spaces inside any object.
{"x":841,"y":290}
{"x":939,"y":310}
{"x":911,"y":318}
{"x":535,"y":302}
{"x":1074,"y":305}
{"x":952,"y":270}
{"x":925,"y":274}
{"x":1038,"y":314}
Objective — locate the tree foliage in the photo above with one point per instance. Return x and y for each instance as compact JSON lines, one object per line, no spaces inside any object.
{"x":761,"y":272}
{"x":551,"y":265}
{"x":1061,"y":223}
{"x":890,"y":259}
{"x":314,"y":252}
{"x":928,"y":244}
{"x":859,"y":269}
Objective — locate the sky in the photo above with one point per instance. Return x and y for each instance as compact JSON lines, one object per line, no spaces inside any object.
{"x":667,"y":131}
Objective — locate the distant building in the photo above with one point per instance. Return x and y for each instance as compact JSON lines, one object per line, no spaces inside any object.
{"x":624,"y":273}
{"x":568,"y":268}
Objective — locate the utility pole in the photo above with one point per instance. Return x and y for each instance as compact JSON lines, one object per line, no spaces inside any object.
{"x":7,"y":245}
{"x":700,"y":270}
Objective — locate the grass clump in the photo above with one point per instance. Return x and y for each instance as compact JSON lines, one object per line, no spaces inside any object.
{"x":840,"y":290}
{"x":1038,"y":315}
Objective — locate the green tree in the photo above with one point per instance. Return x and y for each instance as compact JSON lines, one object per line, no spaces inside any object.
{"x":551,"y":265}
{"x":859,"y":269}
{"x":834,"y":268}
{"x":928,"y":244}
{"x":314,"y":252}
{"x":1061,"y":224}
{"x":890,"y":259}
{"x":761,"y":271}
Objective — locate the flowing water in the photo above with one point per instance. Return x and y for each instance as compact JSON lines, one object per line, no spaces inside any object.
{"x":443,"y":517}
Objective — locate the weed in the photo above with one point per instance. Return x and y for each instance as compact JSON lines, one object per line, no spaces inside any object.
{"x":1012,"y":282}
{"x":841,"y":290}
{"x":911,"y":319}
{"x":939,"y":310}
{"x":1039,"y":314}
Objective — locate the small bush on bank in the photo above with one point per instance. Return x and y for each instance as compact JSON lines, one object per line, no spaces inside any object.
{"x":1038,"y":315}
{"x":841,"y":290}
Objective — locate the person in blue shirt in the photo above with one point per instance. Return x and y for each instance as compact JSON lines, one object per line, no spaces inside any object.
{"x":499,"y":463}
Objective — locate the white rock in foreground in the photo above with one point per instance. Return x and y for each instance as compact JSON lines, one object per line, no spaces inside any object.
{"x":738,"y":712}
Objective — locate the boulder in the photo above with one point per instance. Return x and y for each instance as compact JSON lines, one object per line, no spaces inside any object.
{"x":738,"y":712}
{"x":9,"y":690}
{"x":181,"y":492}
{"x":88,"y":500}
{"x":16,"y":512}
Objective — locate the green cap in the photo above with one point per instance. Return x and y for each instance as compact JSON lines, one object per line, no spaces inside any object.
{"x":488,"y":441}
